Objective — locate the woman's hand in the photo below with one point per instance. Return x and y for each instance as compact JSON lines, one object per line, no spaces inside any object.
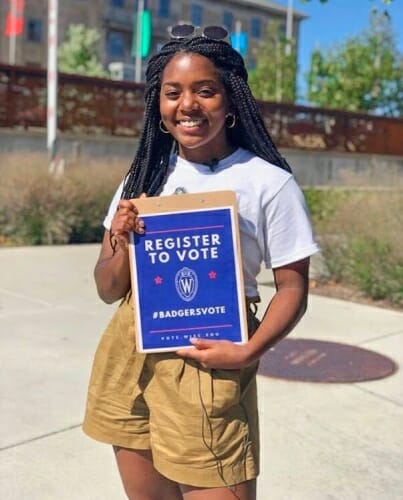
{"x":125,"y":220}
{"x":112,"y":271}
{"x":282,"y":314}
{"x":217,"y":354}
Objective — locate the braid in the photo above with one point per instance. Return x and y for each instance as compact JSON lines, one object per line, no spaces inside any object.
{"x":149,"y":169}
{"x":150,"y":166}
{"x":250,"y":132}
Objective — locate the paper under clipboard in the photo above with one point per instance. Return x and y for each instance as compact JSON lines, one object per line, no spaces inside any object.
{"x":186,"y":271}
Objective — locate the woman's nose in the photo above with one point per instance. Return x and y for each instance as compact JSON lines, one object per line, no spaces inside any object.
{"x":189,"y":102}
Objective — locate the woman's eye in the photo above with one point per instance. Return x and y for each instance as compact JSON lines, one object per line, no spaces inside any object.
{"x":172,"y":94}
{"x":206,"y":92}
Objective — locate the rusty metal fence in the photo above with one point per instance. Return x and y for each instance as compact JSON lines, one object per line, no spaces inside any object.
{"x":102,"y":106}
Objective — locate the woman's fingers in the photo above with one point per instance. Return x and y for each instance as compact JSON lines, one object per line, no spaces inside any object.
{"x":127,"y":205}
{"x":217,"y":354}
{"x":139,"y":225}
{"x":127,"y":219}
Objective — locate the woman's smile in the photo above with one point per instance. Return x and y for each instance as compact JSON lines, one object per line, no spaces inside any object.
{"x":192,"y":125}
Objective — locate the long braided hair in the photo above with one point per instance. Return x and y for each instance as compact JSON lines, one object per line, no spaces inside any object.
{"x":149,"y":169}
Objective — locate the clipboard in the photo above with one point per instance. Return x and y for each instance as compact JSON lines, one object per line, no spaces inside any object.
{"x":186,"y":271}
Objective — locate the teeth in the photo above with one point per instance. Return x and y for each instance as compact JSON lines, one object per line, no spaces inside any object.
{"x":191,"y":123}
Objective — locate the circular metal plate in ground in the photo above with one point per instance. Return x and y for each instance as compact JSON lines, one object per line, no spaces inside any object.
{"x":319,"y":361}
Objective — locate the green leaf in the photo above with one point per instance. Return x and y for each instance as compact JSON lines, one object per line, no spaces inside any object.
{"x":365,"y":73}
{"x":78,"y":54}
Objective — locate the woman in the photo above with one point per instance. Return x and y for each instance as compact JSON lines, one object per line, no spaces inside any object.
{"x":185,"y":425}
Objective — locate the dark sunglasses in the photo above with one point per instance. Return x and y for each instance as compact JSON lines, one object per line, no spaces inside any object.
{"x":188,"y":31}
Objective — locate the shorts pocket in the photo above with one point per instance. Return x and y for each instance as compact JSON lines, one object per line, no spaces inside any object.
{"x":178,"y":385}
{"x":115,"y":354}
{"x":226,"y":389}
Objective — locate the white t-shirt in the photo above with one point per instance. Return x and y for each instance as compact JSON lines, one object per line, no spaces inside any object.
{"x":273,"y":218}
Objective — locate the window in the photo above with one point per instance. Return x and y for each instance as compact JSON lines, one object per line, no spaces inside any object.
{"x":117,"y":3}
{"x":116,"y":44}
{"x":136,"y":4}
{"x":228,"y":20}
{"x":196,"y":15}
{"x":255,"y":27}
{"x":34,"y":30}
{"x":163,"y":10}
{"x":282,"y":29}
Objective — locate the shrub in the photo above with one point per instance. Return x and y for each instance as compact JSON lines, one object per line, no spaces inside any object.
{"x":39,"y":208}
{"x":322,"y":203}
{"x":360,"y":240}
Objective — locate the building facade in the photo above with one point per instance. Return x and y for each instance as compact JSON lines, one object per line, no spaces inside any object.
{"x":113,"y":20}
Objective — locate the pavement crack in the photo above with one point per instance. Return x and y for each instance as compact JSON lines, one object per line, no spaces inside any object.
{"x":22,"y":296}
{"x":387,"y":335}
{"x":379,"y":396}
{"x":42,"y":436}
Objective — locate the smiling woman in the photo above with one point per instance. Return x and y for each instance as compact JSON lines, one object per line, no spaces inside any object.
{"x":184,"y":425}
{"x":194,"y":107}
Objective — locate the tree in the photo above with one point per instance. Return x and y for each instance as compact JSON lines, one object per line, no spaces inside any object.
{"x":274,"y":78}
{"x":362,"y":74}
{"x":78,"y":54}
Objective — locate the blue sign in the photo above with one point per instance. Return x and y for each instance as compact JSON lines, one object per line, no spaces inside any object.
{"x":186,"y":279}
{"x":239,"y":41}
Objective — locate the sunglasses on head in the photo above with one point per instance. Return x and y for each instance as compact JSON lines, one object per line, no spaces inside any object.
{"x":188,"y":31}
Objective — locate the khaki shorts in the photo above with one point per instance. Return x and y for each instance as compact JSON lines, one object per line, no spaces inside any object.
{"x":201,"y":425}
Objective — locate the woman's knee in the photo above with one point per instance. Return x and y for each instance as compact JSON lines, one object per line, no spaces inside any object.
{"x":140,"y":479}
{"x":241,"y":491}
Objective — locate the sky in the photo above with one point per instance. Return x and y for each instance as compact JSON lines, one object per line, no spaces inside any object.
{"x":332,"y":22}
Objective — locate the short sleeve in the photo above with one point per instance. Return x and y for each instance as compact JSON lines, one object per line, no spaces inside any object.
{"x":287,"y":229}
{"x":113,"y":207}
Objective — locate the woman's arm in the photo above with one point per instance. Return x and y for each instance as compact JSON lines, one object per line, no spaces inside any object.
{"x":284,"y":311}
{"x":112,"y":270}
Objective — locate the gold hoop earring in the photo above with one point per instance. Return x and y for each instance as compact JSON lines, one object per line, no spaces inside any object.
{"x":161,"y":127}
{"x":232,"y":123}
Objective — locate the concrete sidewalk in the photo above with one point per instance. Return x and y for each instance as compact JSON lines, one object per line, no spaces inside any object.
{"x":319,"y":441}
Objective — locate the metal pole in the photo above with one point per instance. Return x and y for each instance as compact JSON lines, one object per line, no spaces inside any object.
{"x":238,"y":30}
{"x":279,"y":93}
{"x":290,"y":18}
{"x":13,"y":36}
{"x":139,"y":35}
{"x":52,"y":78}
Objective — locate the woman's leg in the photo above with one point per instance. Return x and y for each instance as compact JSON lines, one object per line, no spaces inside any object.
{"x":140,"y":480}
{"x":241,"y":491}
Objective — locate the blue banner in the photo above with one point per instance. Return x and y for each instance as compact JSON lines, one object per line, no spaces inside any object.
{"x":239,"y":41}
{"x":187,"y":279}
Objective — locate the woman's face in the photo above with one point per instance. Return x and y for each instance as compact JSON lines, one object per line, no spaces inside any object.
{"x":193,"y":105}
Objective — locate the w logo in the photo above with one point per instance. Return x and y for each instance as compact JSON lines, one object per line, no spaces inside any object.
{"x":186,"y":284}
